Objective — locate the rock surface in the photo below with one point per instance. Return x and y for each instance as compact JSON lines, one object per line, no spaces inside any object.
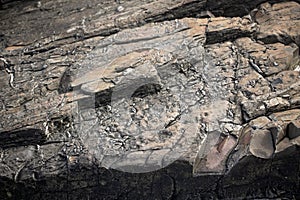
{"x":198,"y":99}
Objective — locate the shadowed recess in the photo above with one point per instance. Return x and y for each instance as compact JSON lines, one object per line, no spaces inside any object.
{"x":22,"y":137}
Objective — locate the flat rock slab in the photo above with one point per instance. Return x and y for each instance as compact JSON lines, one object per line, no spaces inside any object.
{"x":169,"y":56}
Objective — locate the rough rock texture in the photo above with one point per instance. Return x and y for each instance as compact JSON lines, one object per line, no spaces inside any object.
{"x":201,"y":98}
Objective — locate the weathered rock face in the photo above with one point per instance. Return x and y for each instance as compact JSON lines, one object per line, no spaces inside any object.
{"x":275,"y":20}
{"x":107,"y":88}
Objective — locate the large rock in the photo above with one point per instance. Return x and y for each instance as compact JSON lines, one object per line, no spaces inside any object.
{"x":275,"y":19}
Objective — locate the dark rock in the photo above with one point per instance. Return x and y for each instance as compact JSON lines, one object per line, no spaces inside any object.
{"x":22,"y":138}
{"x":293,"y":129}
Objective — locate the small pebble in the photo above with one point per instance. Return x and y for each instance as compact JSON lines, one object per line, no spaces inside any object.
{"x":9,"y":195}
{"x":285,"y":96}
{"x":38,"y":4}
{"x":120,"y":8}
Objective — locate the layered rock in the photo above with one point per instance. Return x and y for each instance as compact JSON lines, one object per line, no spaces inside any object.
{"x":122,"y":88}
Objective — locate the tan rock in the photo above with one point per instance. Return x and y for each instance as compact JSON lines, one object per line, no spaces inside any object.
{"x":260,"y":122}
{"x":286,"y":116}
{"x":283,"y":79}
{"x":277,"y":103}
{"x":264,"y":123}
{"x":252,"y":109}
{"x":250,"y":46}
{"x":276,"y":19}
{"x":96,"y":86}
{"x":220,"y":29}
{"x":282,"y":119}
{"x":113,"y":69}
{"x":296,"y":141}
{"x":261,"y":15}
{"x":269,"y":59}
{"x":282,"y":56}
{"x":253,"y":84}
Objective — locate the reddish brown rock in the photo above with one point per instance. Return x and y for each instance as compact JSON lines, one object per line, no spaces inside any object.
{"x":262,"y":144}
{"x":259,"y":136}
{"x":214,"y":160}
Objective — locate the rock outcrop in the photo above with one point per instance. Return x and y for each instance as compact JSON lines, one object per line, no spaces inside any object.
{"x":197,"y":99}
